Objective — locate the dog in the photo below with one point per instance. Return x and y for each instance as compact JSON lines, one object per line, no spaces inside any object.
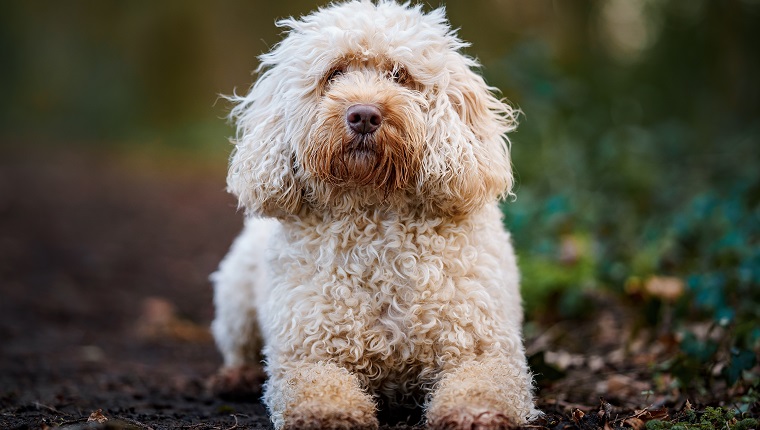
{"x":374,"y":268}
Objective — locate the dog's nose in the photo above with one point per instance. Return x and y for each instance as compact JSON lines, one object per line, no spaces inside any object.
{"x":364,"y":118}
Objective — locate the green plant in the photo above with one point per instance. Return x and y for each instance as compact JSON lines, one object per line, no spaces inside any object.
{"x":652,"y":168}
{"x":709,"y":419}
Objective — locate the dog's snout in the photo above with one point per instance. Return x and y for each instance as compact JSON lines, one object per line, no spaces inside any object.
{"x":364,"y":118}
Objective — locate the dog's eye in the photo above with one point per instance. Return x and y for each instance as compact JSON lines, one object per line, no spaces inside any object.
{"x":399,"y":75}
{"x":335,"y":73}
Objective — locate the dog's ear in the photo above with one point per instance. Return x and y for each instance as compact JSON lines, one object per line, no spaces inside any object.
{"x":262,"y":172}
{"x":471,"y":151}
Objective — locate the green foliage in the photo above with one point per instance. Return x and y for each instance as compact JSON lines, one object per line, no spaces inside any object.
{"x":749,"y":399}
{"x":652,"y":167}
{"x":741,"y":360}
{"x":716,"y":416}
{"x":658,"y":425}
{"x":746,"y":424}
{"x":711,"y":418}
{"x":716,"y":250}
{"x":558,"y":258}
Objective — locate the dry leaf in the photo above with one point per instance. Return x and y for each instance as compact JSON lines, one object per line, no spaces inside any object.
{"x":668,"y":288}
{"x":563,"y":360}
{"x":635,"y":423}
{"x":570,"y":250}
{"x":640,"y":418}
{"x":97,"y":416}
{"x":577,"y":415}
{"x":658,"y":414}
{"x":651,"y":414}
{"x":159,"y":320}
{"x":622,"y":387}
{"x":605,"y":409}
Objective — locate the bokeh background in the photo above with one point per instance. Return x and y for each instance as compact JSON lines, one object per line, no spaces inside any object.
{"x":636,"y":158}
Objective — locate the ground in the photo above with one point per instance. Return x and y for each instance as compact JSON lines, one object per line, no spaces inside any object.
{"x":104,"y":264}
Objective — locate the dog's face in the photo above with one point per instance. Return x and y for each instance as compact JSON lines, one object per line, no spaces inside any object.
{"x":369,"y":104}
{"x":369,"y":126}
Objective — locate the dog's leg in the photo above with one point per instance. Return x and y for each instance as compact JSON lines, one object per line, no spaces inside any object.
{"x":318,"y":396}
{"x":236,"y":333}
{"x":235,"y":326}
{"x":493,"y":393}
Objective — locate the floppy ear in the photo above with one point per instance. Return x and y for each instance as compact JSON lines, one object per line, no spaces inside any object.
{"x":263,"y":164}
{"x":490,"y":119}
{"x":469,"y":150}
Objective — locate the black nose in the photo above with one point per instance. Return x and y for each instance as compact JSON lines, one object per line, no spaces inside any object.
{"x":363,"y":118}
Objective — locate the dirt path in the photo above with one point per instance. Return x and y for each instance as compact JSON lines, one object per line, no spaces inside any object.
{"x":105,"y":299}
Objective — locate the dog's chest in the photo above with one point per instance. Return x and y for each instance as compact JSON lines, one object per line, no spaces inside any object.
{"x":382,"y":294}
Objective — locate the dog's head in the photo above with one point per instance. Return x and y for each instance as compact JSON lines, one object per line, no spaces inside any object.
{"x":366,"y":103}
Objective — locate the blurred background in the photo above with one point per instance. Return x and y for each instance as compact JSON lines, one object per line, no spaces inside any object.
{"x":638,"y":200}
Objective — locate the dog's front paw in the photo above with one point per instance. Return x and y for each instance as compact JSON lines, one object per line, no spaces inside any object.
{"x":318,"y":416}
{"x":318,"y":396}
{"x":237,"y":383}
{"x":466,"y":418}
{"x":490,"y":393}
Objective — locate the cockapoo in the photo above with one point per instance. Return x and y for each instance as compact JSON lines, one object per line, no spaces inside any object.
{"x":374,"y":267}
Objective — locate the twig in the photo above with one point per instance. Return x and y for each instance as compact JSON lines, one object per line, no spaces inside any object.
{"x":135,"y":423}
{"x":236,"y":423}
{"x":569,"y":405}
{"x":69,"y":422}
{"x":50,"y":408}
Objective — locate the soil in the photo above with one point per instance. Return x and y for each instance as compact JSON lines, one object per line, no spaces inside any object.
{"x":104,"y":264}
{"x":105,"y":301}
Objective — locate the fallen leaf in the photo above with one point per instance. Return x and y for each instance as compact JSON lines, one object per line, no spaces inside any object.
{"x":577,"y":415}
{"x":97,"y":416}
{"x":622,"y":387}
{"x":668,"y":288}
{"x":159,"y":320}
{"x":570,"y":250}
{"x":635,"y":423}
{"x":605,"y":410}
{"x":659,"y":414}
{"x":640,"y":418}
{"x":651,"y":414}
{"x":563,"y":360}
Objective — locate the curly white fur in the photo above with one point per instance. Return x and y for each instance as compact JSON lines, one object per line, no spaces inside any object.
{"x":374,"y":265}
